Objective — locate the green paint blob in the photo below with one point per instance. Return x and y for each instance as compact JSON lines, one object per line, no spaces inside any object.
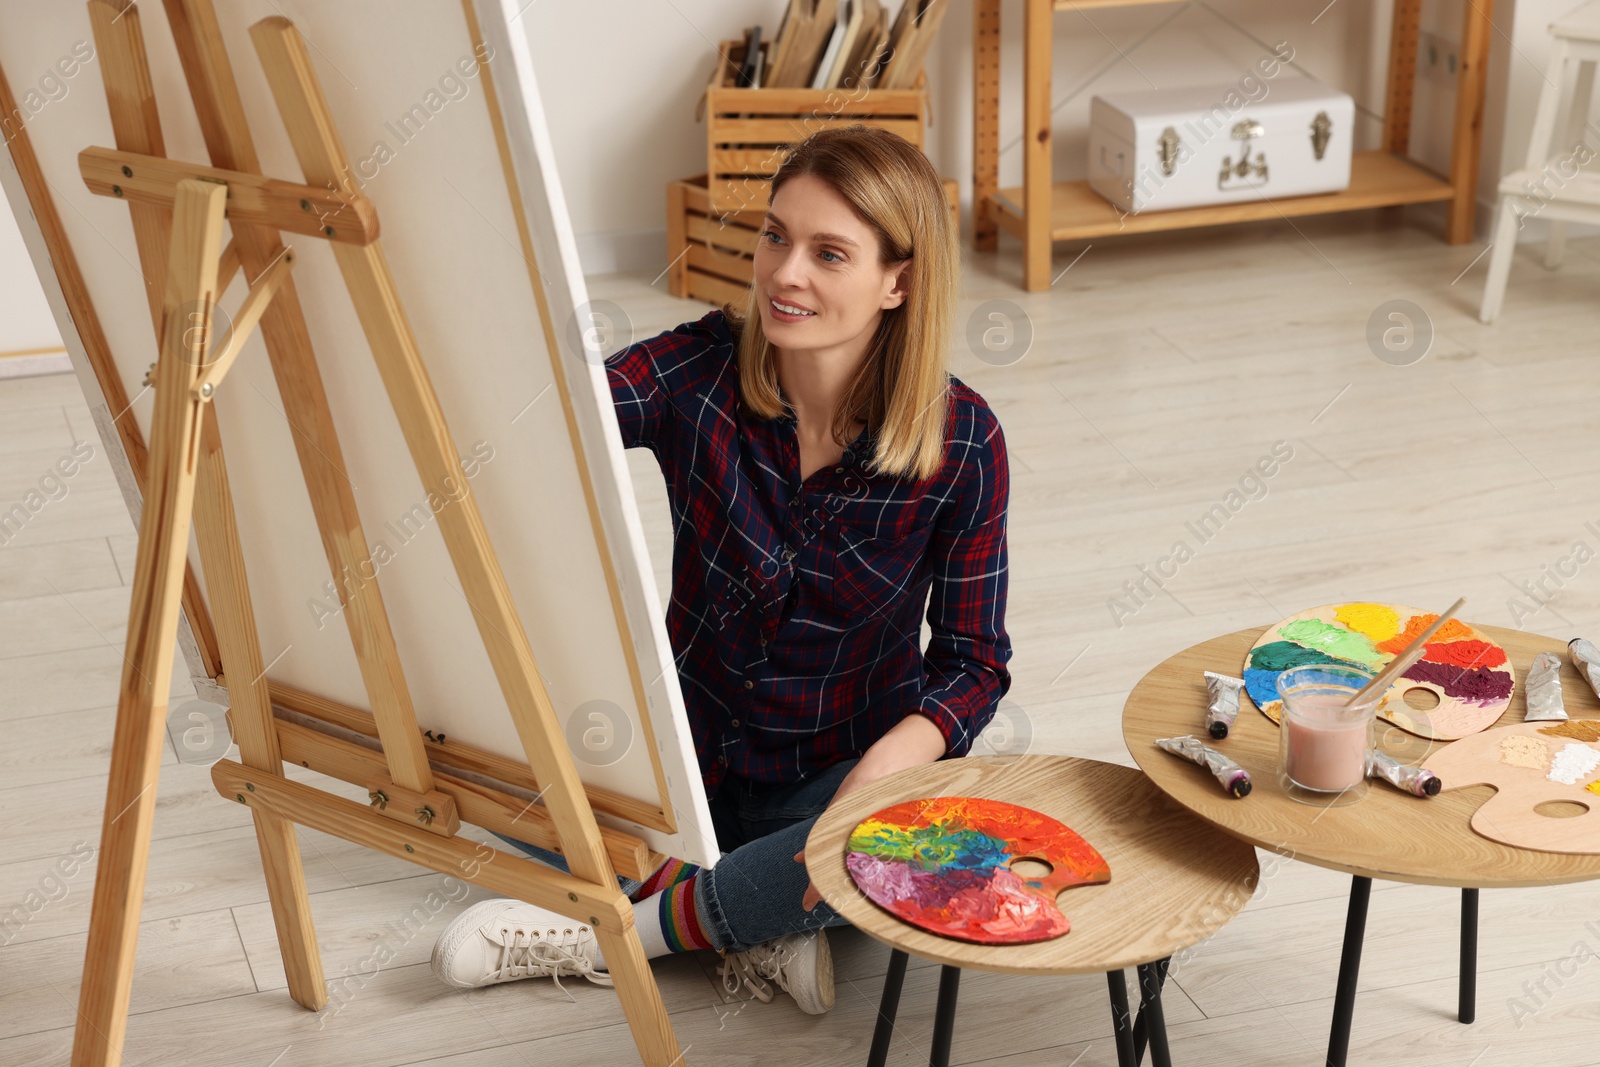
{"x":1335,"y":641}
{"x":1281,"y":655}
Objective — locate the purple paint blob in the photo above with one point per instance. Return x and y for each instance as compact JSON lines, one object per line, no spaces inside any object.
{"x":1480,"y":685}
{"x":899,"y":880}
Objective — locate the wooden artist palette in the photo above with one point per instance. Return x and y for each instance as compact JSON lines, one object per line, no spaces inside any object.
{"x":944,"y":864}
{"x":1518,"y":761}
{"x":1469,"y":674}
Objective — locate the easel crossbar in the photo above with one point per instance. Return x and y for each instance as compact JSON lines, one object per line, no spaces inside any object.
{"x":355,"y":758}
{"x":289,"y":206}
{"x":493,"y":869}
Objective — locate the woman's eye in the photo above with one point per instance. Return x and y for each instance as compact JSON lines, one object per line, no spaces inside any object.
{"x":836,"y":257}
{"x":769,"y":233}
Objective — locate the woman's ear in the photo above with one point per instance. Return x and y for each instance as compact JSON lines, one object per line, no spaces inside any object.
{"x":902,"y":280}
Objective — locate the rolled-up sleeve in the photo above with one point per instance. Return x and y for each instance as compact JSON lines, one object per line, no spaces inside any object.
{"x":966,"y":658}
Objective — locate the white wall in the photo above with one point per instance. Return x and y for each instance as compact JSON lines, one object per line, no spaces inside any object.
{"x":622,"y":114}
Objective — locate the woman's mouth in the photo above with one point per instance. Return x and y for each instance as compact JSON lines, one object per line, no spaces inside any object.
{"x":788,"y":312}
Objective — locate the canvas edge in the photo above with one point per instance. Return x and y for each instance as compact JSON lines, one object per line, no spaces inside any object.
{"x":522,"y":114}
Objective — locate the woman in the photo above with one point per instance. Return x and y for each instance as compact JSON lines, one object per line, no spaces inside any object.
{"x":825,"y":473}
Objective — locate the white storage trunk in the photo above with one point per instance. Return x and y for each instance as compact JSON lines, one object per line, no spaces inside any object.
{"x":1158,"y":149}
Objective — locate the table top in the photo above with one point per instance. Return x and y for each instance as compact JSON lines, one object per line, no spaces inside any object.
{"x":1175,"y":880}
{"x":1387,"y":834}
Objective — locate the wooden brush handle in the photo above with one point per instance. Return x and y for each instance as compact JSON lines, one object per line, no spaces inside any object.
{"x":1407,"y":656}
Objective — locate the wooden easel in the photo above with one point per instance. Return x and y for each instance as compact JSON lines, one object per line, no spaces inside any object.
{"x":178,"y":210}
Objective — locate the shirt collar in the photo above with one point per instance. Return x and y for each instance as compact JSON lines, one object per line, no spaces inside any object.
{"x":861,"y":446}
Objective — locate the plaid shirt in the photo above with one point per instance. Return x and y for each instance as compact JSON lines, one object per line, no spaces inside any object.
{"x":795,"y":616}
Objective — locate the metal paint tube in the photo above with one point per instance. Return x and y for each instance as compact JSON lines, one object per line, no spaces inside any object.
{"x":1586,"y":658}
{"x":1232,"y":777}
{"x":1418,"y":781}
{"x":1542,"y":687}
{"x":1223,"y":704}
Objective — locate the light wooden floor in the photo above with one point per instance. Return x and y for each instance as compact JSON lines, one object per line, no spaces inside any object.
{"x":1162,"y":368}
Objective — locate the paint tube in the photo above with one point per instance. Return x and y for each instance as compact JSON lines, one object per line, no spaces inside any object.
{"x":1232,"y":777}
{"x":1542,"y":687}
{"x":1586,"y":658}
{"x":1223,"y":704}
{"x":1419,"y":781}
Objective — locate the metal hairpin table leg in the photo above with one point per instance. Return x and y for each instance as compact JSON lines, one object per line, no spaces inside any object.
{"x":944,"y":1017}
{"x":1150,"y":975}
{"x":1467,"y":1002}
{"x":1121,"y":1024}
{"x":1141,"y":1025}
{"x":1344,"y":998}
{"x":887,"y":1007}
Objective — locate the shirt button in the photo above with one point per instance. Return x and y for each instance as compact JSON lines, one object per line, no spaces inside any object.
{"x":788,"y":553}
{"x":838,"y":470}
{"x":748,"y":684}
{"x":763,"y":642}
{"x":734,"y":723}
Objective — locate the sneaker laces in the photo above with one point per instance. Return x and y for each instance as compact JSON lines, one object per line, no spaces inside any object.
{"x":756,"y":968}
{"x":547,"y":952}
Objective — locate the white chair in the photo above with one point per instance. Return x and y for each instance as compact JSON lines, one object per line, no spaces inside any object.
{"x":1561,"y":178}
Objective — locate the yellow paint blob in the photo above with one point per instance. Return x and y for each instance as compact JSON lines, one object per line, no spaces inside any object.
{"x":1594,"y":786}
{"x":1377,"y":621}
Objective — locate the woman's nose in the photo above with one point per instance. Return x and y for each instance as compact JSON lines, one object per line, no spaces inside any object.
{"x":790,"y":270}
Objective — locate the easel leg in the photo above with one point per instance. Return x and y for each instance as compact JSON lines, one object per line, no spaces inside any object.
{"x":152,"y":631}
{"x":217,"y":530}
{"x":641,"y":999}
{"x":125,"y":69}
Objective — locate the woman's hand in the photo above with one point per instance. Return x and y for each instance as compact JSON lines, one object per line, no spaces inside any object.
{"x":913,"y":741}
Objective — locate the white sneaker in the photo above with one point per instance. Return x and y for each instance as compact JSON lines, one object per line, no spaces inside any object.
{"x":800,"y":964}
{"x":504,"y":940}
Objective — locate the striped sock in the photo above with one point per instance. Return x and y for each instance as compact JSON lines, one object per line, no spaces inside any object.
{"x":667,"y":922}
{"x":668,"y":874}
{"x":678,"y":920}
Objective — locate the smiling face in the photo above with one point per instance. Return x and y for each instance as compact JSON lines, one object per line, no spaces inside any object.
{"x":817,"y":256}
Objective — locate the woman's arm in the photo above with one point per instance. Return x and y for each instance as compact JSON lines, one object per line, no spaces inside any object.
{"x":966,"y":658}
{"x":648,"y":375}
{"x":638,"y":398}
{"x":967,"y":654}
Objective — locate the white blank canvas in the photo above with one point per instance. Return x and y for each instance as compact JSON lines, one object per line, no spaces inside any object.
{"x":423,"y":149}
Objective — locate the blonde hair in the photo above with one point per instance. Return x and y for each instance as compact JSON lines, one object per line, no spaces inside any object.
{"x":902,"y":387}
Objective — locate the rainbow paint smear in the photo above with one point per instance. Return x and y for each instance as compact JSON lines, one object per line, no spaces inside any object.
{"x":1456,"y":662}
{"x":944,"y":865}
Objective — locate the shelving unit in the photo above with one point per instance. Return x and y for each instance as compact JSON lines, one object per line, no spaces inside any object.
{"x":1041,"y":212}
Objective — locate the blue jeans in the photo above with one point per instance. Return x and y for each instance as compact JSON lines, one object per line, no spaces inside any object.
{"x":753,"y":893}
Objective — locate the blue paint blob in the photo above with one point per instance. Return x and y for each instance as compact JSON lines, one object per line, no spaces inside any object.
{"x":1261,"y":685}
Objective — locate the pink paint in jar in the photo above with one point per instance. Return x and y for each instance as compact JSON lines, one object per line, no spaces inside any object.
{"x":1324,"y":738}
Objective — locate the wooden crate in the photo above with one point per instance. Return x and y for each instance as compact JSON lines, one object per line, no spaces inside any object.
{"x":748,"y":131}
{"x":712,"y":252}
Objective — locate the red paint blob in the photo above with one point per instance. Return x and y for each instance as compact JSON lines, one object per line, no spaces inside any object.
{"x":1465,"y":653}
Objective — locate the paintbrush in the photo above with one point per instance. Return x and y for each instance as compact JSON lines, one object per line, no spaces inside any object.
{"x":1406,"y":656}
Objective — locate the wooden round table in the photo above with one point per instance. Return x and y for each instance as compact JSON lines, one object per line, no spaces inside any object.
{"x":1175,"y":881}
{"x":1388,"y":834}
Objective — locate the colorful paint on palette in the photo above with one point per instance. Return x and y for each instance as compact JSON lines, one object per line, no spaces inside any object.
{"x":944,"y":864}
{"x":1468,"y":673}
